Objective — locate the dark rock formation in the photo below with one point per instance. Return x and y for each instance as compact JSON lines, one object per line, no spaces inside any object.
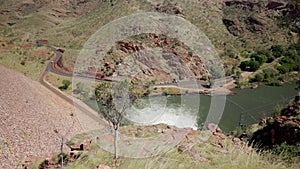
{"x":274,"y":5}
{"x":280,"y":129}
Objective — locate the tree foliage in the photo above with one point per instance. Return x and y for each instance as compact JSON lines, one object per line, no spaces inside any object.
{"x":257,"y":78}
{"x":66,"y":84}
{"x":114,"y":100}
{"x":250,"y":65}
{"x":277,"y":50}
{"x":291,"y":60}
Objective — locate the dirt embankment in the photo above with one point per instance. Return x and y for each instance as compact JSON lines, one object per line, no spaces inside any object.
{"x":33,"y":120}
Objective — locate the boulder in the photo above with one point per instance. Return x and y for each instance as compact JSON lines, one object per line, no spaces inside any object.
{"x":274,"y":5}
{"x":236,"y":141}
{"x":78,"y":147}
{"x":102,"y":166}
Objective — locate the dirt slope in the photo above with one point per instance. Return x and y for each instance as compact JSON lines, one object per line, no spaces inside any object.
{"x":32,"y":120}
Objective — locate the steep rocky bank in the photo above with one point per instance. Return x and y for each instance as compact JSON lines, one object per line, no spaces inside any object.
{"x":281,"y":128}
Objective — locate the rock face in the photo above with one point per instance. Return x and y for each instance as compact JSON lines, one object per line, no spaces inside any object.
{"x":282,"y":128}
{"x":137,"y":57}
{"x":33,"y":120}
{"x":274,"y":5}
{"x":169,"y":9}
{"x":243,"y":4}
{"x":74,"y":154}
{"x":257,"y":18}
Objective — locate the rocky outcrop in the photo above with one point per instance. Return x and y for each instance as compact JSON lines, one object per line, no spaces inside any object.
{"x":169,"y":9}
{"x":246,"y":20}
{"x":81,"y":147}
{"x":255,"y":24}
{"x":27,"y":8}
{"x":56,"y":160}
{"x":275,"y":5}
{"x":42,"y":42}
{"x":245,"y":5}
{"x":169,"y":64}
{"x":282,"y":128}
{"x":232,"y":27}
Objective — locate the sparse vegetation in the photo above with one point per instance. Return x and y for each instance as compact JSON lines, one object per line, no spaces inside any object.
{"x":61,"y":82}
{"x":204,"y":154}
{"x":288,"y":152}
{"x":66,"y":84}
{"x":247,"y":33}
{"x":114,"y":100}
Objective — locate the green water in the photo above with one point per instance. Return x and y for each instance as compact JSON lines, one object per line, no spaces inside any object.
{"x":247,"y":106}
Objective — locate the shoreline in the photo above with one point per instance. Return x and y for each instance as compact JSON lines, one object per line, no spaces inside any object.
{"x":174,"y":90}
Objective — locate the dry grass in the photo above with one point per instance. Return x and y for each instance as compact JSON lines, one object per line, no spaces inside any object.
{"x":198,"y":155}
{"x":25,"y":61}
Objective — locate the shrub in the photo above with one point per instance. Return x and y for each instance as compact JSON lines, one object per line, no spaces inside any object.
{"x":58,"y":158}
{"x":259,"y":58}
{"x":264,"y":52}
{"x":276,"y":110}
{"x":244,"y":65}
{"x":270,"y":59}
{"x":282,"y":69}
{"x":277,"y":50}
{"x":258,"y":78}
{"x":291,"y":54}
{"x":250,"y":65}
{"x":290,"y":124}
{"x":295,"y":46}
{"x":231,"y":54}
{"x":148,"y":91}
{"x":66,"y":84}
{"x":274,"y":83}
{"x":288,"y":152}
{"x":22,"y":62}
{"x":254,"y":65}
{"x":165,"y":92}
{"x":269,"y":73}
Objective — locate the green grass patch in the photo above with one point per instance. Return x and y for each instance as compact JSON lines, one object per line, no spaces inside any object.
{"x":24,"y":62}
{"x":58,"y":81}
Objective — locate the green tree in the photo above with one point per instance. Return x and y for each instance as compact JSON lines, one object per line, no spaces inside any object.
{"x":270,"y":59}
{"x":114,"y":100}
{"x":277,"y":50}
{"x":269,"y":73}
{"x":258,"y":78}
{"x":250,"y":65}
{"x":66,"y":84}
{"x":244,"y":65}
{"x":254,"y":65}
{"x":261,"y":58}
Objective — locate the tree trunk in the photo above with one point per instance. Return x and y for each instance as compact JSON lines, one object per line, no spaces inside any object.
{"x":116,"y":144}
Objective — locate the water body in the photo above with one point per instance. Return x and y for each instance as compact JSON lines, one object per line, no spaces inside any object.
{"x":247,"y":106}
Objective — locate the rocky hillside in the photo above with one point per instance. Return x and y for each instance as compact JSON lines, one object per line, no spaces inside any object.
{"x":153,"y":68}
{"x":33,"y":120}
{"x":261,"y":23}
{"x":235,"y":27}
